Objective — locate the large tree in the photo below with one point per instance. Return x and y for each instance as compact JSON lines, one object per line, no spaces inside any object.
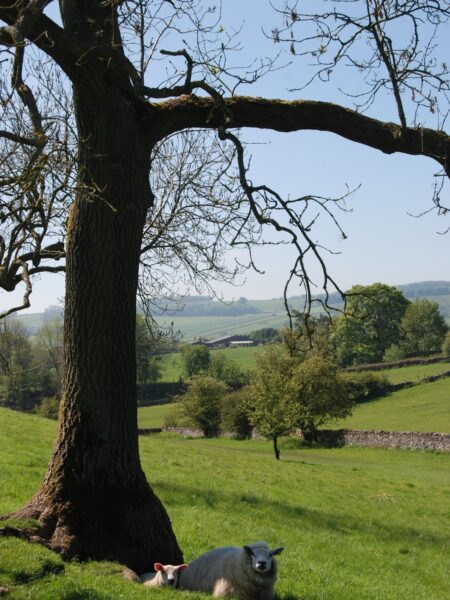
{"x":95,"y":501}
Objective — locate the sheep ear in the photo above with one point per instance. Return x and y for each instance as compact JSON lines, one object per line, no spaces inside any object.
{"x":158,"y":567}
{"x":277,"y":551}
{"x":181,"y":567}
{"x":248,"y":550}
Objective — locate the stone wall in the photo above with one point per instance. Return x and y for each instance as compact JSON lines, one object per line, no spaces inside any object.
{"x":386,"y":439}
{"x":409,"y":440}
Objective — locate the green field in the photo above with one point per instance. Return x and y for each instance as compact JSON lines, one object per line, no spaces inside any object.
{"x":217,"y":327}
{"x":424,"y":407}
{"x":244,"y":357}
{"x":356,"y":523}
{"x":154,"y":416}
{"x":414,"y":373}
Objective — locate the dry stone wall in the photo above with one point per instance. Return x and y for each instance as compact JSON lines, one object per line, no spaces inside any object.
{"x":411,"y":440}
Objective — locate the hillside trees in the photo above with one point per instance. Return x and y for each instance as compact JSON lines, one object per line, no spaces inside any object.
{"x":423,"y":327}
{"x":124,"y":112}
{"x":370,"y":324}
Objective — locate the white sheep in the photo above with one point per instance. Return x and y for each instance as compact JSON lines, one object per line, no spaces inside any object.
{"x":247,"y":573}
{"x":163,"y":575}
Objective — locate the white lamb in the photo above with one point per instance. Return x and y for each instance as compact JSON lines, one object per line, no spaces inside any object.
{"x":247,"y":573}
{"x":163,"y":575}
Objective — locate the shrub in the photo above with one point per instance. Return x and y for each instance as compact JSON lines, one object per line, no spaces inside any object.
{"x":49,"y":408}
{"x":393,"y":353}
{"x":227,"y":371}
{"x":234,"y":414}
{"x":364,"y":385}
{"x":201,"y":405}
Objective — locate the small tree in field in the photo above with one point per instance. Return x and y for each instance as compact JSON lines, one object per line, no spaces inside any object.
{"x":423,"y":327}
{"x":201,"y":404}
{"x":194,"y":360}
{"x":272,"y":409}
{"x":322,"y":394}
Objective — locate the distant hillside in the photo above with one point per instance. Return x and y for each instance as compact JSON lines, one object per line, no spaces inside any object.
{"x":203,"y":306}
{"x":194,"y":316}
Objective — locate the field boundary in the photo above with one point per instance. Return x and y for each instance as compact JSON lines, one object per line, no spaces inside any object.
{"x":410,"y":440}
{"x":407,"y":440}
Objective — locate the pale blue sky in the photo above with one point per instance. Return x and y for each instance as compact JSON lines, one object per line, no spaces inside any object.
{"x":384,"y":243}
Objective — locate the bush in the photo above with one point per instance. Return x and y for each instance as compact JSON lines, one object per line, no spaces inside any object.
{"x":201,"y":405}
{"x":393,"y":353}
{"x":48,"y":408}
{"x":234,"y":414}
{"x":364,"y":386}
{"x":227,"y":371}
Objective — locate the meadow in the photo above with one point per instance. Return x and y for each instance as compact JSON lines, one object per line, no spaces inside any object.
{"x":424,"y":407}
{"x":414,"y":373}
{"x":171,"y":368}
{"x":355,"y":523}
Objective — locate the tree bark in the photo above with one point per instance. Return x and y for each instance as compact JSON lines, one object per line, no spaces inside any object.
{"x":275,"y":447}
{"x":95,"y":502}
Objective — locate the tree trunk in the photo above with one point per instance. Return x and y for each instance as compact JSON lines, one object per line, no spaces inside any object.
{"x":95,"y":502}
{"x":275,"y":447}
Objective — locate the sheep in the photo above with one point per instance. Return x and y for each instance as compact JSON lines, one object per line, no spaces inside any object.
{"x":163,"y":575}
{"x":247,"y":573}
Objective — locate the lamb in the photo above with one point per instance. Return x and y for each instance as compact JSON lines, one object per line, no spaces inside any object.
{"x":163,"y":575}
{"x":247,"y":573}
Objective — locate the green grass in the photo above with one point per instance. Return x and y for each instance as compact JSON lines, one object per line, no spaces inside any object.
{"x":356,"y":523}
{"x":171,"y":369}
{"x":154,"y":416}
{"x":424,"y":407}
{"x":414,"y":373}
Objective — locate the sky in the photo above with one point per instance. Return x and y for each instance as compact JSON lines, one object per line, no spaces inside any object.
{"x":386,"y":241}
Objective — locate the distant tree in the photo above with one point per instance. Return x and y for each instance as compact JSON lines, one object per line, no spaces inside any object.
{"x":322,"y":394}
{"x":201,"y":404}
{"x":228,"y":371}
{"x":15,"y":364}
{"x":194,"y":359}
{"x":423,"y":327}
{"x":446,"y":345}
{"x":272,"y":409}
{"x":370,"y":324}
{"x":264,"y":335}
{"x":235,"y":413}
{"x":147,"y":368}
{"x":309,"y":334}
{"x":48,"y":343}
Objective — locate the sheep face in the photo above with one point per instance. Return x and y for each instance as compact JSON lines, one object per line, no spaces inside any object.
{"x":262,"y":557}
{"x":169,"y":573}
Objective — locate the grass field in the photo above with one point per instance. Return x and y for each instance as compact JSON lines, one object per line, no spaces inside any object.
{"x":414,"y":373}
{"x":424,"y":407}
{"x":244,"y":357}
{"x":154,"y":416}
{"x":356,"y":523}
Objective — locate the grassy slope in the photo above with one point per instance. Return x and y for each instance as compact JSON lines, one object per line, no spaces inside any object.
{"x":356,"y":523}
{"x":424,"y":407}
{"x":244,"y":357}
{"x":414,"y":373}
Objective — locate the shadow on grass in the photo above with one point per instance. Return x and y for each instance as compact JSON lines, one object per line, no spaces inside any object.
{"x":333,"y":522}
